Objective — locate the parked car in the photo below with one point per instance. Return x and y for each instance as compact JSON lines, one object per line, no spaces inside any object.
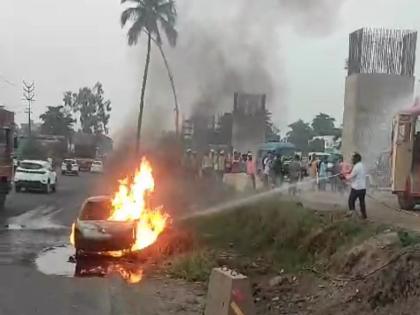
{"x":35,"y":175}
{"x":69,"y":167}
{"x":84,"y":164}
{"x":95,"y":234}
{"x":97,"y":167}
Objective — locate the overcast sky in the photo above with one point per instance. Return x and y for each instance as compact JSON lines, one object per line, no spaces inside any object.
{"x":64,"y":45}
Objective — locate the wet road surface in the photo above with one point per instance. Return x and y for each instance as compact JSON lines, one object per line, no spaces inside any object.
{"x":34,"y":228}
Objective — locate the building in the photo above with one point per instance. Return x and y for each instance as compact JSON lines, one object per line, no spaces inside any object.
{"x":249,"y":121}
{"x":379,"y":83}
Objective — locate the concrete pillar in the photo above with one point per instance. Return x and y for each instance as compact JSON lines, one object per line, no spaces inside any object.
{"x":229,"y":293}
{"x":371,"y":101}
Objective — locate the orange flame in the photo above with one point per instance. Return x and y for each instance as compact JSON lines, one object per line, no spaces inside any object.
{"x":130,"y":204}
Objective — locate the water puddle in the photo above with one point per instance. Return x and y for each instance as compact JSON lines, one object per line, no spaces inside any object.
{"x":56,"y":261}
{"x":60,"y":261}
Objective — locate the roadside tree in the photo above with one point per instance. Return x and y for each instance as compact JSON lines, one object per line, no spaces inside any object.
{"x":149,"y":17}
{"x":56,"y":121}
{"x":300,"y":133}
{"x":324,"y":125}
{"x":91,"y":107}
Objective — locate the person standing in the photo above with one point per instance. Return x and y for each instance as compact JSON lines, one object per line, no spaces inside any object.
{"x":251,"y":170}
{"x":221,"y":160}
{"x":207,"y":166}
{"x":357,"y":179}
{"x":313,"y":171}
{"x":267,"y":170}
{"x":294,"y":175}
{"x":322,"y":174}
{"x":278,"y":170}
{"x":345,"y":169}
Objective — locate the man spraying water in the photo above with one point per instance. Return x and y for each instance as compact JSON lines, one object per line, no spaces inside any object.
{"x":357,"y":178}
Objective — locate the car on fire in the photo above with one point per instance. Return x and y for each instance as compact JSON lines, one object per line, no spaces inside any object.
{"x":70,"y":166}
{"x":35,"y":175}
{"x":94,"y":233}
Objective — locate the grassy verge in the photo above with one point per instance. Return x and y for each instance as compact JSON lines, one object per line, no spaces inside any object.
{"x":283,"y":235}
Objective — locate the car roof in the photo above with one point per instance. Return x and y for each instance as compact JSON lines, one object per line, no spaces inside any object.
{"x":70,"y":160}
{"x":272,"y":146}
{"x":35,"y":162}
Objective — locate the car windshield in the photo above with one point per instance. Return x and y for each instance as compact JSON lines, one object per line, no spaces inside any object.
{"x":97,"y":163}
{"x":96,"y":210}
{"x":70,"y":161}
{"x":30,"y":166}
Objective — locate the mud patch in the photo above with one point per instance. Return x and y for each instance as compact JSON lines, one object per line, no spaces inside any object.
{"x":367,"y":257}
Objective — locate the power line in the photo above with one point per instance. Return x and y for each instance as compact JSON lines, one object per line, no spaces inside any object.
{"x":29,"y":95}
{"x":4,"y":79}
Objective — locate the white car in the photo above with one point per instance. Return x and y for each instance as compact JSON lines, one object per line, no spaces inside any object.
{"x":35,"y":175}
{"x":97,"y":167}
{"x":69,"y":166}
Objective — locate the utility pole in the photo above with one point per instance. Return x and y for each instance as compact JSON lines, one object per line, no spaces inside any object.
{"x":28,"y":95}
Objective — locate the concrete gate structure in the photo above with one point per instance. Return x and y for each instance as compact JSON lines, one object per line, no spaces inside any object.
{"x":380,"y":82}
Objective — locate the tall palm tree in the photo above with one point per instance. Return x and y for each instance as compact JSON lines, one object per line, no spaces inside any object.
{"x":172,"y":81}
{"x":149,"y":16}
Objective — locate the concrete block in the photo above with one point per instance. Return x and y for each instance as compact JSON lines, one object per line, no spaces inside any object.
{"x":229,"y":293}
{"x":239,"y":181}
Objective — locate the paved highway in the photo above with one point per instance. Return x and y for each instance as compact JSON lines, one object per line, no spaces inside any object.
{"x":31,"y":225}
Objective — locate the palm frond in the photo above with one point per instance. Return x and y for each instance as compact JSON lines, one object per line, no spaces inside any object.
{"x":131,"y":1}
{"x":170,"y":32}
{"x":149,"y":16}
{"x":129,"y":14}
{"x":135,"y":31}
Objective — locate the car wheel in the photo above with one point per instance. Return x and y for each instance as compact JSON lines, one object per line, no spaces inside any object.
{"x":77,"y":173}
{"x":17,"y":189}
{"x":54,"y":187}
{"x":63,"y":173}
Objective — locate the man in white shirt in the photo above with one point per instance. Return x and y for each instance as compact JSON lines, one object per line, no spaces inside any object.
{"x":357,"y":179}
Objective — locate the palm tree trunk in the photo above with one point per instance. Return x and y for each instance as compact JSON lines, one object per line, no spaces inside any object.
{"x":143,"y":90}
{"x":172,"y":81}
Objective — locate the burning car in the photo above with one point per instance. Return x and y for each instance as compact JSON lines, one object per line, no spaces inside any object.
{"x":121,"y":224}
{"x":94,"y":233}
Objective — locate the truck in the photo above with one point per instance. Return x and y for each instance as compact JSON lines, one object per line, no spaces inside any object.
{"x":405,"y":157}
{"x":8,"y":143}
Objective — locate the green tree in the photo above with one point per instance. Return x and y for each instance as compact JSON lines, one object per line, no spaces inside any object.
{"x":271,"y":131}
{"x":56,"y":121}
{"x":93,"y":109}
{"x":31,"y":149}
{"x":324,"y":125}
{"x":148,"y":16}
{"x":300,"y":133}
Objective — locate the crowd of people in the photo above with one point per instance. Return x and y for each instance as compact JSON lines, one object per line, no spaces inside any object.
{"x":276,"y":169}
{"x":213,"y":164}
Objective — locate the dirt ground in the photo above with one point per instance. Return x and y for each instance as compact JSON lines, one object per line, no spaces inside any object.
{"x":373,"y":277}
{"x":382,"y":207}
